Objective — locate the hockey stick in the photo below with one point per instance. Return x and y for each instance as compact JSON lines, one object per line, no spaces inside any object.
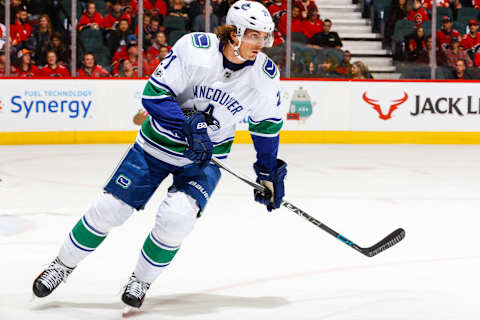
{"x":387,"y":242}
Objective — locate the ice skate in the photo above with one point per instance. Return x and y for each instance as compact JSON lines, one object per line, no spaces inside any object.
{"x":50,"y":278}
{"x":135,"y":291}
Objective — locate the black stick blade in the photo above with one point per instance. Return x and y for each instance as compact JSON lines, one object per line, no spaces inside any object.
{"x":389,"y":241}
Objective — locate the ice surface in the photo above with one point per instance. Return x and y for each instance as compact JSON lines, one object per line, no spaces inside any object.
{"x":243,"y":263}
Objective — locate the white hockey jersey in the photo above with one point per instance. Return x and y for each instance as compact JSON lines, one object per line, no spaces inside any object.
{"x":193,"y":76}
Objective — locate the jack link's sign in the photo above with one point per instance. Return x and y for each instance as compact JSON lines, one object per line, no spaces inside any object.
{"x":402,"y":106}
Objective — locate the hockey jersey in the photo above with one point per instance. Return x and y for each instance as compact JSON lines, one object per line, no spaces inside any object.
{"x":196,"y":76}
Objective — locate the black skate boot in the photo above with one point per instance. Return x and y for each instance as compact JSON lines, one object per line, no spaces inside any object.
{"x":49,"y":279}
{"x":135,"y":291}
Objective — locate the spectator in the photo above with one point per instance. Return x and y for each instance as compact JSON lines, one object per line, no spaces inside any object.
{"x":160,"y":41}
{"x":153,"y":61}
{"x":440,"y":3}
{"x":277,"y":8}
{"x":360,"y":71}
{"x":345,"y":67}
{"x":126,"y":70}
{"x":132,"y":57}
{"x":90,"y":69}
{"x":3,"y":63}
{"x":147,"y":19}
{"x":195,"y":8}
{"x":122,"y":51}
{"x":3,"y":32}
{"x":454,"y":53}
{"x":297,"y":22}
{"x":325,"y":39}
{"x":52,"y":68}
{"x":304,"y":6}
{"x":14,"y":6}
{"x":418,"y":14}
{"x":91,"y":18}
{"x":151,"y":31}
{"x":417,"y":42}
{"x":26,"y":67}
{"x":310,"y":70}
{"x":21,"y":30}
{"x":460,"y":73}
{"x":40,"y":38}
{"x":178,"y":9}
{"x":398,"y":10}
{"x":471,"y":39}
{"x":198,"y":24}
{"x":445,"y":35}
{"x":155,"y":7}
{"x":119,"y":38}
{"x":112,"y":19}
{"x":130,"y":7}
{"x":313,"y":25}
{"x":57,"y":45}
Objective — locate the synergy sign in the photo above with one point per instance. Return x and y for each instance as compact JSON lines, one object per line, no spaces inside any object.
{"x":399,"y":106}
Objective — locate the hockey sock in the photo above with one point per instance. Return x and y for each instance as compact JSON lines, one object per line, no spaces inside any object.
{"x":154,"y":257}
{"x":81,"y":241}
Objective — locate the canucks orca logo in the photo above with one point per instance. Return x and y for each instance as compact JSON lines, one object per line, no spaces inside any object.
{"x":213,"y":123}
{"x":123,"y":181}
{"x":270,"y":68}
{"x":246,"y":6}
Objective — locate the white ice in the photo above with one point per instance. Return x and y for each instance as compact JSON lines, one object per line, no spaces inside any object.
{"x":244,"y":263}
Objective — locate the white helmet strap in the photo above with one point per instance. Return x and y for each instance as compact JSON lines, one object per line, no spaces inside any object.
{"x":235,"y":48}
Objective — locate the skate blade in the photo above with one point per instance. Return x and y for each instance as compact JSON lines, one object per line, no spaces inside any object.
{"x":129,"y":312}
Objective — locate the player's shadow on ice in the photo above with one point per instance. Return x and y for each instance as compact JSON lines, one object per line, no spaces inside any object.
{"x":179,"y":305}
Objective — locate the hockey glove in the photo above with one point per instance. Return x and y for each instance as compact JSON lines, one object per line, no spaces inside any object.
{"x":273,"y":182}
{"x":199,"y":148}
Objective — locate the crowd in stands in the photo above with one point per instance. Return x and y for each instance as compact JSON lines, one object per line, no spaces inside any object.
{"x":107,"y":40}
{"x":408,"y":32}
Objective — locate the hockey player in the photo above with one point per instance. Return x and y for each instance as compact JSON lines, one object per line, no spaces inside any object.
{"x":195,"y":97}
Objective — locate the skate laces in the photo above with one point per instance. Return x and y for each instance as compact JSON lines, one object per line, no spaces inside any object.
{"x":55,"y":273}
{"x":136,"y":287}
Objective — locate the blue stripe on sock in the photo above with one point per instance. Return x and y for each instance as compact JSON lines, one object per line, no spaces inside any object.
{"x":76,"y":245}
{"x":90,"y":226}
{"x":151,"y":262}
{"x":163,"y":244}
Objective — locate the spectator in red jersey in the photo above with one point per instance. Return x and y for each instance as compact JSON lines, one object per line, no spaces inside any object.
{"x":131,"y":8}
{"x":132,"y":56}
{"x":156,"y":7}
{"x":277,"y":8}
{"x":91,"y":18}
{"x":313,"y":24}
{"x":21,"y":30}
{"x":111,"y":20}
{"x":345,"y":67}
{"x":90,"y":69}
{"x":26,"y":67}
{"x":418,"y":14}
{"x":52,"y":68}
{"x":160,"y":42}
{"x":304,"y":6}
{"x":153,"y":61}
{"x":445,"y":35}
{"x":297,"y":23}
{"x":454,"y":53}
{"x":460,"y":73}
{"x":119,"y":38}
{"x":440,"y":3}
{"x":3,"y":63}
{"x":472,"y":38}
{"x":417,"y":42}
{"x":476,"y":4}
{"x":126,"y":70}
{"x":3,"y":32}
{"x":325,"y":39}
{"x":40,"y":38}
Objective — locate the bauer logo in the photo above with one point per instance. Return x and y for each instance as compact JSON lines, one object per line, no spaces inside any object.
{"x":123,"y":181}
{"x":394,"y":104}
{"x":71,"y":104}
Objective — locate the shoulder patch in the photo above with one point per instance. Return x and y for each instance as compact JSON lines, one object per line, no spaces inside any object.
{"x":270,"y":68}
{"x":201,"y":40}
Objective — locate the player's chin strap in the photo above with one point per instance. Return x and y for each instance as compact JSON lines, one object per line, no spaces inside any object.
{"x":235,"y":50}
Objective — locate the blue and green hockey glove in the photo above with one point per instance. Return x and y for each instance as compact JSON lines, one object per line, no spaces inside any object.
{"x":273,"y":182}
{"x":199,"y":148}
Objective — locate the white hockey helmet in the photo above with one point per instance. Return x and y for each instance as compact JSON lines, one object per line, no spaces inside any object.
{"x":253,"y":15}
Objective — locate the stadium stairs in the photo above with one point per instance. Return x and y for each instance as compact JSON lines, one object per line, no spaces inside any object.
{"x":357,"y":37}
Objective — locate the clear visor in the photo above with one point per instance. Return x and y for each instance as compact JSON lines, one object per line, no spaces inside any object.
{"x":259,"y":38}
